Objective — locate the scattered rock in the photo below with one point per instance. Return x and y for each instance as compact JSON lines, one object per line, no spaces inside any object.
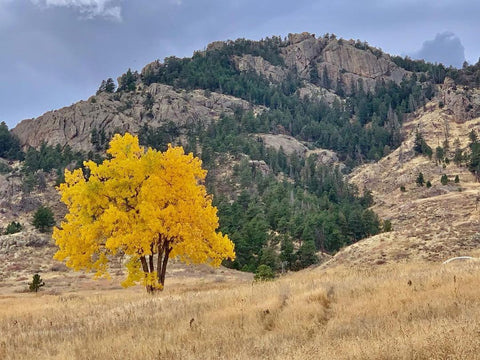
{"x":289,"y":144}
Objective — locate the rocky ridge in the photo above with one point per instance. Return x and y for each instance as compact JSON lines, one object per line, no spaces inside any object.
{"x":126,"y":111}
{"x":337,"y":62}
{"x":340,"y":65}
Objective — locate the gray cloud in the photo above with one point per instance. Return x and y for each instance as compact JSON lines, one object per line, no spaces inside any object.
{"x":89,"y":9}
{"x":446,"y":48}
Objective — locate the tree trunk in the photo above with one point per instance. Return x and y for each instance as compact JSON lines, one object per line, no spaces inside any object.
{"x":150,"y":263}
{"x":160,"y":250}
{"x":164,"y":265}
{"x":150,"y":288}
{"x":162,"y":261}
{"x":148,"y":266}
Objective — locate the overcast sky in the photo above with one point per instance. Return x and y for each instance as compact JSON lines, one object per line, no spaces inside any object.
{"x":56,"y":52}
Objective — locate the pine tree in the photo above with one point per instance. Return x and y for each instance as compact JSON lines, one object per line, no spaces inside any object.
{"x":444,"y":179}
{"x":43,"y":219}
{"x":420,"y":179}
{"x":36,"y":283}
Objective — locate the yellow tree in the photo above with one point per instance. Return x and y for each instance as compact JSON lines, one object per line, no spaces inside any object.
{"x":144,"y":204}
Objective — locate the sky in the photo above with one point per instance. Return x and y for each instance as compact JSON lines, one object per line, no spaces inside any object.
{"x":56,"y":52}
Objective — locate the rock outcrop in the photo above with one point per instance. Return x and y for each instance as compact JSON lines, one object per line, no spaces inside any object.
{"x":260,"y":66}
{"x":292,"y":146}
{"x":288,"y":144}
{"x":460,"y":101}
{"x":318,"y":93}
{"x":126,"y":111}
{"x":340,"y":65}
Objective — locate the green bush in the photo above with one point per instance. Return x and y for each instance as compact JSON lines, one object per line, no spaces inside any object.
{"x":43,"y":219}
{"x":420,"y":179}
{"x":36,"y":283}
{"x":306,"y":255}
{"x":13,"y":227}
{"x":444,"y":179}
{"x":264,"y":273}
{"x":9,"y":144}
{"x":387,"y":226}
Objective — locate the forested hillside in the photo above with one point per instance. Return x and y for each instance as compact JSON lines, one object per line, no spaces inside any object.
{"x":279,"y":205}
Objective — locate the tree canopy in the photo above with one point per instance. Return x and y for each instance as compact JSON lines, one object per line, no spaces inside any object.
{"x":144,"y":204}
{"x":9,"y":144}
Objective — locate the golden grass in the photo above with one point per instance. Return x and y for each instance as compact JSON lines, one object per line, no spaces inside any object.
{"x":401,"y":311}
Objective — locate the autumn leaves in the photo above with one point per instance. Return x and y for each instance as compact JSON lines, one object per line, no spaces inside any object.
{"x":142,"y":203}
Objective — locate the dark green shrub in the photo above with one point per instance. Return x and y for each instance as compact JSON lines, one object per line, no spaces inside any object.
{"x":4,"y":168}
{"x":420,"y":146}
{"x":43,"y":219}
{"x":420,"y":179}
{"x":387,"y":226}
{"x":36,"y":283}
{"x":306,"y":255}
{"x":13,"y":227}
{"x":9,"y":144}
{"x":264,"y":273}
{"x":444,"y":179}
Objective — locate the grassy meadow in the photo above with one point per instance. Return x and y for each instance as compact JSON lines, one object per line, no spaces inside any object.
{"x":399,"y":311}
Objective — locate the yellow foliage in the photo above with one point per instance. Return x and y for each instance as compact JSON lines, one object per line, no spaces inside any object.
{"x":139,"y":203}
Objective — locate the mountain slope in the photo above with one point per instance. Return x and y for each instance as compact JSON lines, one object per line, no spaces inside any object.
{"x":325,"y":64}
{"x":278,"y":123}
{"x":429,"y":223}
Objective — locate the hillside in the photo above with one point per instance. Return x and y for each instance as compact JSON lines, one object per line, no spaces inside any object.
{"x":429,"y":223}
{"x":307,"y":141}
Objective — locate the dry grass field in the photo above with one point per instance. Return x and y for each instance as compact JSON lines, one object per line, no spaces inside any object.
{"x":385,"y":297}
{"x":396,"y":311}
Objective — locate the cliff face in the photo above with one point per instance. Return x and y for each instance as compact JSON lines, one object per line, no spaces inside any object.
{"x":462,"y":102}
{"x":125,"y":112}
{"x":337,"y":63}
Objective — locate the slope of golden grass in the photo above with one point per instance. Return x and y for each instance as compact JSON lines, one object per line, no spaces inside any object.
{"x":398,"y":311}
{"x":429,"y":223}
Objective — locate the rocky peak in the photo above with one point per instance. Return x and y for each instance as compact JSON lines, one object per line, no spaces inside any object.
{"x":216,"y":45}
{"x":298,"y":38}
{"x":339,"y":65}
{"x":260,"y":66}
